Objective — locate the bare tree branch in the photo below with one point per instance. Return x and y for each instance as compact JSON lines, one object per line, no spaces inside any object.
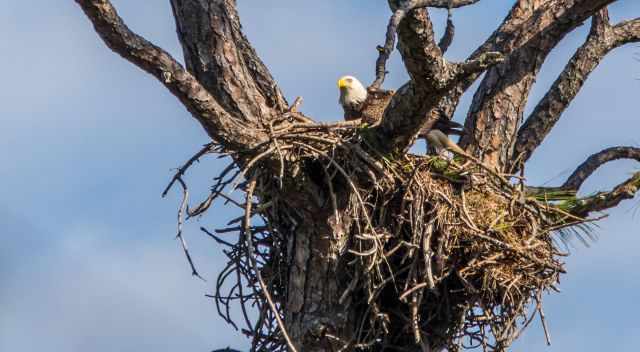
{"x":479,"y":64}
{"x":602,"y":200}
{"x":429,"y":74}
{"x":519,"y":25}
{"x":602,"y":39}
{"x":499,"y":103}
{"x":449,"y":33}
{"x":400,"y":10}
{"x":220,"y":125}
{"x":411,"y":109}
{"x":220,"y":56}
{"x":532,"y":27}
{"x":207,"y":148}
{"x":627,"y":32}
{"x":596,"y":160}
{"x":607,"y":200}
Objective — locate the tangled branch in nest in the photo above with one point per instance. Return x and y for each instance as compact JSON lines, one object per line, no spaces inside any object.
{"x":436,"y":253}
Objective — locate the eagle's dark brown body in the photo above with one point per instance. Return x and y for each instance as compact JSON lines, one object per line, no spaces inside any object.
{"x":372,"y":109}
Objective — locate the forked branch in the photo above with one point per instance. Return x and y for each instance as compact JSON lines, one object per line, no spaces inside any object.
{"x":232,"y":70}
{"x":400,"y":10}
{"x":499,"y":102}
{"x":432,"y":77}
{"x":220,"y":125}
{"x":602,"y":39}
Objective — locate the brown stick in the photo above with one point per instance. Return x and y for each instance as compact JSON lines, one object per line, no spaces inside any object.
{"x":251,"y":254}
{"x":206,"y":149}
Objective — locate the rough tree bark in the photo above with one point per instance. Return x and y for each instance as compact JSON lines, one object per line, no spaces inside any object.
{"x":230,"y":92}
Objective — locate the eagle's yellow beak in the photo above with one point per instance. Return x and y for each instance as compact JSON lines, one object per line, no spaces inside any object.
{"x":342,"y":83}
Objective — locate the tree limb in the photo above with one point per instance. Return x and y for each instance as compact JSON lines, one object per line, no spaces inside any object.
{"x":602,"y":200}
{"x":221,"y":57}
{"x":479,"y":64}
{"x":432,"y":90}
{"x":499,"y":102}
{"x":220,"y":125}
{"x":411,"y":109}
{"x":518,"y":26}
{"x":400,"y":10}
{"x":449,"y":33}
{"x":587,"y":168}
{"x":582,"y":207}
{"x":602,"y":39}
{"x":607,"y":200}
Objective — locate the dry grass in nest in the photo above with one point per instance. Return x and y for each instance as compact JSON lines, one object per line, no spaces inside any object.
{"x":436,"y":254}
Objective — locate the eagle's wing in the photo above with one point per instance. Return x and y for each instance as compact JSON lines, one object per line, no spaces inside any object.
{"x":375,"y":105}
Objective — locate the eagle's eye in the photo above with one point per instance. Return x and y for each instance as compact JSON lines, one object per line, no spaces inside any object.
{"x":349,"y":80}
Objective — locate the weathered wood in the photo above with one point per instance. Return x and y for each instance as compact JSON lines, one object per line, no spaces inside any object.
{"x":498,"y":104}
{"x":602,"y":38}
{"x":222,"y":126}
{"x":592,"y":163}
{"x":432,"y":77}
{"x":220,"y":56}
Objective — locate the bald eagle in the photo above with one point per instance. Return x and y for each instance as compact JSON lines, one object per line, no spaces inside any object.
{"x":360,"y":103}
{"x":369,"y":105}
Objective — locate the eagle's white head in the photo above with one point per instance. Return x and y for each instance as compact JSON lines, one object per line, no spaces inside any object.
{"x":352,"y":93}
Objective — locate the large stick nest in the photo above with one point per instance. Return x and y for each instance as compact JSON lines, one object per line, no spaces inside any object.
{"x":436,"y":252}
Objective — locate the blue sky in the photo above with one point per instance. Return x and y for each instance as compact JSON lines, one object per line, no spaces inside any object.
{"x":87,"y":256}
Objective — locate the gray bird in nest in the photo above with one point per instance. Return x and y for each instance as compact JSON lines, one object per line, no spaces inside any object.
{"x":438,"y":136}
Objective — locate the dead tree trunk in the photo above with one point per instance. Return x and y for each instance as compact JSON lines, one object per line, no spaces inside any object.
{"x":336,"y":200}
